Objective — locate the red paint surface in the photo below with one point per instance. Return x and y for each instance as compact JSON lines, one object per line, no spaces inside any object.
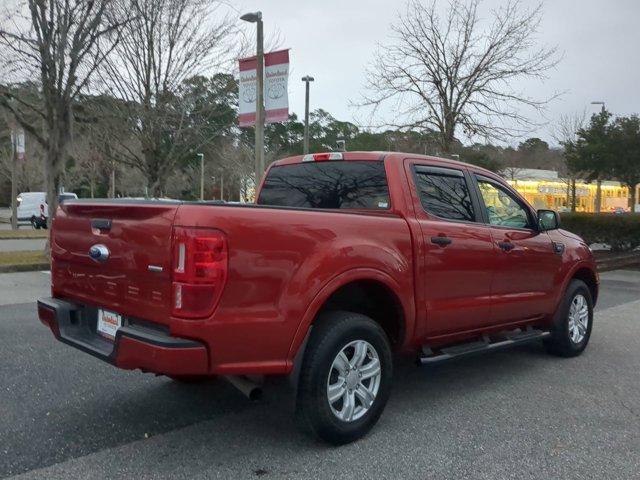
{"x":132,"y":354}
{"x":283,"y":264}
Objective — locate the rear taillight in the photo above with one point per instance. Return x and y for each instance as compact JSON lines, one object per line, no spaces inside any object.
{"x":200,"y":259}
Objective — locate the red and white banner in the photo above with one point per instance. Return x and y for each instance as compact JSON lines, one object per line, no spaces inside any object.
{"x":276,"y":84}
{"x":248,"y":91}
{"x":276,"y":98}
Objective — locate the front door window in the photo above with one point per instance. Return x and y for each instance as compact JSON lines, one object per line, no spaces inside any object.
{"x":503,"y":209}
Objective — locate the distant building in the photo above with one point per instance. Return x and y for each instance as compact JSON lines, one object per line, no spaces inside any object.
{"x":545,"y":189}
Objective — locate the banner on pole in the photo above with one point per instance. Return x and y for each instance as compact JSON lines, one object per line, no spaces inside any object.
{"x":19,"y":143}
{"x":248,"y":92}
{"x":276,"y":82}
{"x":276,"y":94}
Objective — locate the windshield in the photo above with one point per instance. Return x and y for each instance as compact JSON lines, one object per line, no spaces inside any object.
{"x":332,"y":184}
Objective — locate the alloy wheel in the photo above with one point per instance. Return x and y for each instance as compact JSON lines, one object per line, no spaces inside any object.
{"x":354,"y":380}
{"x":578,"y":318}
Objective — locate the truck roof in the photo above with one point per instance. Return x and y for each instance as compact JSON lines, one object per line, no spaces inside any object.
{"x":380,"y":156}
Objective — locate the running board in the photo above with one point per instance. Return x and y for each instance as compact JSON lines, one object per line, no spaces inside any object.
{"x":488,"y":343}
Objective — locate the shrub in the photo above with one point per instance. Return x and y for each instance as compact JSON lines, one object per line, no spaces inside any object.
{"x":621,"y":232}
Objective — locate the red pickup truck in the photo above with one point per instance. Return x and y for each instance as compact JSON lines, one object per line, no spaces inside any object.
{"x":345,"y":260}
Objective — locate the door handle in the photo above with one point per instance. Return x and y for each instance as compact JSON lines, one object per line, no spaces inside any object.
{"x":442,"y":241}
{"x":506,"y":246}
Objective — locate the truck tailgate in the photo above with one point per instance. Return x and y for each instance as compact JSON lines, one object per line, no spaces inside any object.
{"x":135,"y":278}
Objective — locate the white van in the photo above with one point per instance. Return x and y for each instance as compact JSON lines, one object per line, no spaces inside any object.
{"x":29,"y":205}
{"x":32,"y":205}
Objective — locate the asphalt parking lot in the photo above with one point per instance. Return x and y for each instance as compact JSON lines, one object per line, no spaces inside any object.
{"x":511,"y":414}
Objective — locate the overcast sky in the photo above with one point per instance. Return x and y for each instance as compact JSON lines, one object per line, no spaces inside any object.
{"x":334,"y":40}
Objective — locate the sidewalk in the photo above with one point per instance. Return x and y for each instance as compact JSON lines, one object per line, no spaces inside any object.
{"x":22,"y":245}
{"x":24,"y":287}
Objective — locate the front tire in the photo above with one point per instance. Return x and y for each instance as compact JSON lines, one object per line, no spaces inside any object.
{"x":573,"y":322}
{"x":345,"y":379}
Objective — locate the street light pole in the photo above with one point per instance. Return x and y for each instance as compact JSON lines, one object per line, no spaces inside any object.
{"x":256,"y":17}
{"x":598,"y":201}
{"x":14,"y":181}
{"x":201,"y":156}
{"x":307,"y":79}
{"x":112,"y":183}
{"x":260,"y":103}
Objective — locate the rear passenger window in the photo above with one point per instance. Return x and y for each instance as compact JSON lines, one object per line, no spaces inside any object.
{"x":444,"y":193}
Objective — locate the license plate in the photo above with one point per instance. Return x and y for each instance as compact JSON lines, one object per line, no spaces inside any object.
{"x":108,"y":323}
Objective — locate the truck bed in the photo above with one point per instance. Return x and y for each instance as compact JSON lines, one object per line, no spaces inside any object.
{"x":278,"y":263}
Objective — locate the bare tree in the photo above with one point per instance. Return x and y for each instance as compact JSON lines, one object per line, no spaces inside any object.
{"x":61,"y":42}
{"x":512,"y":172}
{"x":167,"y":42}
{"x":447,"y":72}
{"x":567,"y":127}
{"x":566,"y":134}
{"x":29,"y":175}
{"x":90,"y":167}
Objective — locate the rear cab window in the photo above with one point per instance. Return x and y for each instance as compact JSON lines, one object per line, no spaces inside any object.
{"x":63,"y":197}
{"x":350,"y":184}
{"x":444,"y":193}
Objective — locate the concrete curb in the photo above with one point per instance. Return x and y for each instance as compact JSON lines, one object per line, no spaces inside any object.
{"x":25,"y":267}
{"x":616,"y":262}
{"x":22,"y":237}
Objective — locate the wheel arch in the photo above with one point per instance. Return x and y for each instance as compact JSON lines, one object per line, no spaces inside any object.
{"x":585,"y":271}
{"x":590,"y":278}
{"x":345,"y":292}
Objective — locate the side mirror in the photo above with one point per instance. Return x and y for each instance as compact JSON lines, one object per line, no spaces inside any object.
{"x":548,"y":220}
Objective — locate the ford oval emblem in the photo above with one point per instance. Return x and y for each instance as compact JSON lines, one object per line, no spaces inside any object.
{"x":99,"y":253}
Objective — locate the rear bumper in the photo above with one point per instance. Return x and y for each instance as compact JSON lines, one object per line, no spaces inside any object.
{"x":135,"y":346}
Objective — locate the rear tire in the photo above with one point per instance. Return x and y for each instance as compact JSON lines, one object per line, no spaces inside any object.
{"x":572,"y":323}
{"x":345,"y":378}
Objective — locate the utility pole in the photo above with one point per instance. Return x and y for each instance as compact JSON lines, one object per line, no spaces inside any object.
{"x":307,"y":79}
{"x":256,"y":17}
{"x":260,"y":104}
{"x":112,"y":173}
{"x":201,"y":157}
{"x":598,"y":202}
{"x":112,"y":183}
{"x":14,"y":181}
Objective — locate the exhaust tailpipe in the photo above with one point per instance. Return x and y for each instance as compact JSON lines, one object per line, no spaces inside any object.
{"x":249,"y":387}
